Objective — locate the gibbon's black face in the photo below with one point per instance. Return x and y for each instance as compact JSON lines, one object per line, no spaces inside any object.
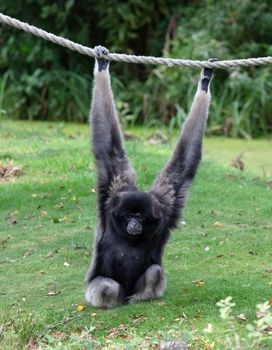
{"x":135,"y":215}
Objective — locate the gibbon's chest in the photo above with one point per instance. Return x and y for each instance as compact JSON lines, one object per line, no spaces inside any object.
{"x":125,"y":263}
{"x":129,"y":263}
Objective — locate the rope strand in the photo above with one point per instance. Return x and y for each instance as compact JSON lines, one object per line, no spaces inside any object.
{"x":170,"y":62}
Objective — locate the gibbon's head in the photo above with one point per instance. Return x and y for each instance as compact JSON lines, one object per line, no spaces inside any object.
{"x":135,"y":215}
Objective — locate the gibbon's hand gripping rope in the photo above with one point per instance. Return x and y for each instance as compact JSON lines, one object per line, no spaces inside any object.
{"x":170,"y":62}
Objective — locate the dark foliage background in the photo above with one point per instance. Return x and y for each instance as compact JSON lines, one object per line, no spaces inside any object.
{"x":43,"y":81}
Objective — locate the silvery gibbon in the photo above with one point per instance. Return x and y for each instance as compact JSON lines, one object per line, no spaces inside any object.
{"x":133,"y":226}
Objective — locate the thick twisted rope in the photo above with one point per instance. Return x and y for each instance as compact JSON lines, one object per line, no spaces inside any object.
{"x":170,"y":62}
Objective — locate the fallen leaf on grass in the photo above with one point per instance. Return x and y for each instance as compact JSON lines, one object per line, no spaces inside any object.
{"x":182,"y":317}
{"x":49,"y":255}
{"x":59,"y":220}
{"x":87,"y":254}
{"x":8,"y":171}
{"x":270,"y":283}
{"x":260,"y":314}
{"x":139,"y":318}
{"x":43,"y":212}
{"x":81,"y":307}
{"x":66,"y":264}
{"x":199,"y":283}
{"x":218,"y":224}
{"x":52,"y":293}
{"x":117,"y":331}
{"x":59,"y":335}
{"x":1,"y":329}
{"x":59,"y":206}
{"x":242,"y":317}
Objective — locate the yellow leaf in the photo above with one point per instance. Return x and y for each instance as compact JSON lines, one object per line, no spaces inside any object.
{"x":80,"y":307}
{"x":212,"y":345}
{"x":93,"y":314}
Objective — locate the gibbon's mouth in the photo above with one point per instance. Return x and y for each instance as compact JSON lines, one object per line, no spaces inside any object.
{"x":134,"y":231}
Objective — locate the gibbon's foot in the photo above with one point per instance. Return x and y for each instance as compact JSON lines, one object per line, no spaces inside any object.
{"x":151,"y":285}
{"x":102,"y":63}
{"x":104,"y":293}
{"x":206,"y":76}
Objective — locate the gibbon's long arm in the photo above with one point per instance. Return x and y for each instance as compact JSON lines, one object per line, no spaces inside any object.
{"x":174,"y":180}
{"x":113,"y":169}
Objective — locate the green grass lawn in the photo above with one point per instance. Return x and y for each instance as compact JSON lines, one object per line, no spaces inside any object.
{"x":47,"y":219}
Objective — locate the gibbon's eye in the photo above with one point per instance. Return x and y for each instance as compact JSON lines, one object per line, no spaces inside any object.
{"x":139,"y":217}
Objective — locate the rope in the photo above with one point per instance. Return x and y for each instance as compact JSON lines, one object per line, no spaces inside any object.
{"x":170,"y":62}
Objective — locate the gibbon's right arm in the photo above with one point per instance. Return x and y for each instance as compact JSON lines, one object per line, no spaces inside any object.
{"x":114,"y":172}
{"x":173,"y":182}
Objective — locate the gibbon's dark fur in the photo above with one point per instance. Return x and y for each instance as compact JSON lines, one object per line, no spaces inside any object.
{"x":133,"y":226}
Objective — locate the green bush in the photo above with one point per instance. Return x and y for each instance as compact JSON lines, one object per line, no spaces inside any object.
{"x":43,"y":81}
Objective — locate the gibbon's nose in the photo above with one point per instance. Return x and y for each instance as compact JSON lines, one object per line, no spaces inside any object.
{"x":134,"y":227}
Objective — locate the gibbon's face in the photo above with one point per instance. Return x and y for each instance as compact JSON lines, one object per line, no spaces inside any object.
{"x":135,"y":215}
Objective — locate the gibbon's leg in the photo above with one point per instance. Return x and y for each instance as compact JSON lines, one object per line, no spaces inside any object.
{"x":173,"y":182}
{"x":104,"y":293}
{"x":151,"y":285}
{"x":107,"y":140}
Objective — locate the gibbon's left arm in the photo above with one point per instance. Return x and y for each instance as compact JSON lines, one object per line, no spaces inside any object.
{"x":173,"y":182}
{"x":114,"y":172}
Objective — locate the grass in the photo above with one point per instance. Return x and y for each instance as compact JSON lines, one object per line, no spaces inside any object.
{"x":47,"y":221}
